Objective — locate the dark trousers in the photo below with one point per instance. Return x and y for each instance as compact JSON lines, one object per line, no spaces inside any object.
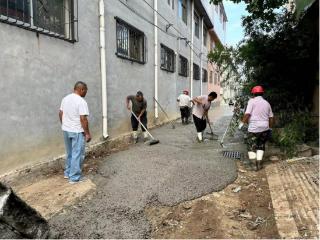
{"x":257,"y":141}
{"x":200,"y":124}
{"x":135,"y":122}
{"x":184,"y":113}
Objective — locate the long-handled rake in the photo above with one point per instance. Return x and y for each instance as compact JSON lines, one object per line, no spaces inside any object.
{"x":212,"y":135}
{"x":172,"y":124}
{"x":225,"y":133}
{"x":153,"y":141}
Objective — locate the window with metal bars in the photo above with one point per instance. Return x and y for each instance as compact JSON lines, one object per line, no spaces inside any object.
{"x":167,"y":59}
{"x":196,"y":72}
{"x":183,"y":66}
{"x":204,"y":75}
{"x":56,"y":18}
{"x":131,"y":42}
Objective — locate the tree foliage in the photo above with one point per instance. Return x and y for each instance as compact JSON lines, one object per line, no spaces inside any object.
{"x":261,"y":14}
{"x":278,"y":52}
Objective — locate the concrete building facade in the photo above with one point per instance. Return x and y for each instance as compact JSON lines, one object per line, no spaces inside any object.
{"x":158,"y":47}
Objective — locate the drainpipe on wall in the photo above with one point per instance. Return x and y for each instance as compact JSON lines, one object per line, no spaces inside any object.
{"x":191,"y":47}
{"x":201,"y":49}
{"x":155,"y":12}
{"x":103,"y":70}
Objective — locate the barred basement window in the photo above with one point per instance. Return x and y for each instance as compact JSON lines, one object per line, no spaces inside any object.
{"x":183,"y":66}
{"x":196,"y":72}
{"x":204,"y":75}
{"x":167,"y":59}
{"x":130,"y":42}
{"x":56,"y":18}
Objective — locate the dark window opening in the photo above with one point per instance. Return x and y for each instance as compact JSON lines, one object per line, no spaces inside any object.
{"x":204,"y":75}
{"x":183,"y":66}
{"x":196,"y":25}
{"x":196,"y":72}
{"x":130,"y":42}
{"x":167,"y":59}
{"x":205,"y":36}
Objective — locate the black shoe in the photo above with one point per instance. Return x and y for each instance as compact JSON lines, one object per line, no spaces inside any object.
{"x":259,"y":165}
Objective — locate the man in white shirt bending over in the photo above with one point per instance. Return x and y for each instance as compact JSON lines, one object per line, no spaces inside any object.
{"x":184,"y":104}
{"x":75,"y":126}
{"x":200,"y":112}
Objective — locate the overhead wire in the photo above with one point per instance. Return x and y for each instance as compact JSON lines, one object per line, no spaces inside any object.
{"x":170,"y":23}
{"x":191,"y":46}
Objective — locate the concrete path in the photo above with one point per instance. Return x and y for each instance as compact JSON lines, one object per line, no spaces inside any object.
{"x":176,"y":170}
{"x":294,"y":189}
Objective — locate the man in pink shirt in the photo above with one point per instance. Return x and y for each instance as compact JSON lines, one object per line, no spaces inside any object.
{"x":259,"y":116}
{"x":200,"y":112}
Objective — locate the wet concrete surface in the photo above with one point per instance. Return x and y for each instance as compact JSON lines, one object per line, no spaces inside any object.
{"x":175,"y":170}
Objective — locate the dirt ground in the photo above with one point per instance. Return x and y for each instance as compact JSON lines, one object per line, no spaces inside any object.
{"x":107,"y":205}
{"x":232,"y":213}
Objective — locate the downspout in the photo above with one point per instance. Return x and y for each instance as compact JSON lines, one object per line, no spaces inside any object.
{"x":103,"y":70}
{"x":191,"y":48}
{"x":155,"y":12}
{"x":201,"y":50}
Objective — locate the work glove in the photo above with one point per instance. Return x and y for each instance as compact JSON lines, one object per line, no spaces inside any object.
{"x":241,"y":124}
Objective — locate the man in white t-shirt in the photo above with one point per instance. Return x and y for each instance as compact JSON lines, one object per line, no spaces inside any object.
{"x":200,"y":112}
{"x":75,"y":126}
{"x":184,"y":104}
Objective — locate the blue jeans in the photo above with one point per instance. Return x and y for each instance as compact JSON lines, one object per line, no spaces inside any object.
{"x":75,"y":153}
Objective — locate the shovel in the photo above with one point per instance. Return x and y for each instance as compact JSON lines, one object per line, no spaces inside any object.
{"x":153,"y":141}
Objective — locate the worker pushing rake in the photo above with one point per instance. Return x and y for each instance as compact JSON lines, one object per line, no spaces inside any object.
{"x":201,"y":107}
{"x":138,"y":110}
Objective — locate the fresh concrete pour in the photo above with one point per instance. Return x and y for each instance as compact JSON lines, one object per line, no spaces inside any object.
{"x":176,"y":170}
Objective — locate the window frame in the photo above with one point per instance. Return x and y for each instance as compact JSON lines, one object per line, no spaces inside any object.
{"x":171,"y":3}
{"x":204,"y":75}
{"x":210,"y":76}
{"x":186,"y":61}
{"x":215,"y":80}
{"x":196,"y":72}
{"x":196,"y":26}
{"x":71,"y":32}
{"x":167,"y":51}
{"x":205,"y":36}
{"x":136,"y":30}
{"x":183,"y":10}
